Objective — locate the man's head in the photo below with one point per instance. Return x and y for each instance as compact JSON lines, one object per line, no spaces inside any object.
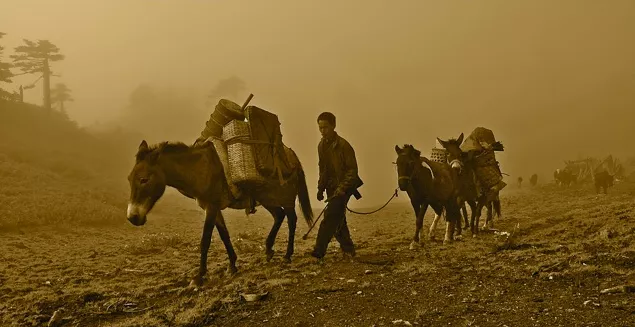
{"x":326,"y":123}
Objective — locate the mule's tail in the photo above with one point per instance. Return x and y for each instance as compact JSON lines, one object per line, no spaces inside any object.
{"x":303,"y":196}
{"x":497,"y":207}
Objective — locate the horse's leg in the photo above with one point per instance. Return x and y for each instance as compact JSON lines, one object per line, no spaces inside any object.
{"x":464,"y":209}
{"x":433,"y":225}
{"x":210,"y":220}
{"x":417,"y":208}
{"x":224,"y":236}
{"x":452,"y":214}
{"x":278,"y":218}
{"x":292,"y":219}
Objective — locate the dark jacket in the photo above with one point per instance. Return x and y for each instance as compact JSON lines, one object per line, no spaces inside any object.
{"x":338,"y":166}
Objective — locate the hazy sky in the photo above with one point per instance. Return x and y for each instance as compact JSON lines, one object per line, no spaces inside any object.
{"x":553,"y":79}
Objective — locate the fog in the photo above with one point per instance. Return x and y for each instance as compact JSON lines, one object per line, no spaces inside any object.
{"x":554,"y":80}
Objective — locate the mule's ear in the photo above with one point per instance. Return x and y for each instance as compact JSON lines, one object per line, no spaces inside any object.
{"x":143,"y":146}
{"x":460,"y":139}
{"x":397,"y":149}
{"x":442,"y":142}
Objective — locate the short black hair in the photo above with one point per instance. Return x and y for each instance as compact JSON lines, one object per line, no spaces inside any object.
{"x":329,"y":117}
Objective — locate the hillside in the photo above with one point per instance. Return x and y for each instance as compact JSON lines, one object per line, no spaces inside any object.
{"x":52,"y":171}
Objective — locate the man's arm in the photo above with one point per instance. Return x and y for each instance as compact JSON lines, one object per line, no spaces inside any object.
{"x":322,"y":170}
{"x":350,"y":169}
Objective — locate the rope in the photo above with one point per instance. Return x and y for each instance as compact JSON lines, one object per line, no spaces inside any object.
{"x":394,"y":195}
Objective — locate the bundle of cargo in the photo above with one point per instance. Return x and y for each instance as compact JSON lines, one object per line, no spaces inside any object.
{"x":480,"y":146}
{"x":224,"y":112}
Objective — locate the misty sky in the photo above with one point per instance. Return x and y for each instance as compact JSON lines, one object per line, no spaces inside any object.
{"x":553,"y":79}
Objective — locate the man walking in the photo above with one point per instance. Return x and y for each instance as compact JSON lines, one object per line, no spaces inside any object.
{"x":340,"y":179}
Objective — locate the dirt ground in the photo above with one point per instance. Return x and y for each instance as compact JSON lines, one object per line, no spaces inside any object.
{"x":566,"y":246}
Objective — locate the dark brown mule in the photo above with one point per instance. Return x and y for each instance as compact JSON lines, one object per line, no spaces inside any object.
{"x":439,"y":191}
{"x":460,"y":162}
{"x":196,"y":171}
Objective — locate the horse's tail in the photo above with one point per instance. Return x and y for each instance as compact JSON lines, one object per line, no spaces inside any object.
{"x":303,"y":196}
{"x":497,"y":207}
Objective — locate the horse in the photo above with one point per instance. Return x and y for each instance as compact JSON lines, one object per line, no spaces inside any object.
{"x":439,"y":191}
{"x":461,"y":162}
{"x":533,"y":180}
{"x":564,"y":177}
{"x":196,"y":171}
{"x":603,"y":180}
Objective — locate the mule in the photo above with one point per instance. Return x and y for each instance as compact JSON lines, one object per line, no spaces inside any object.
{"x":196,"y":171}
{"x":464,"y":166}
{"x":439,"y":191}
{"x":533,"y":180}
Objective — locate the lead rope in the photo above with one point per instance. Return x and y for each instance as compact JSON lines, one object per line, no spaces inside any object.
{"x":394,"y":195}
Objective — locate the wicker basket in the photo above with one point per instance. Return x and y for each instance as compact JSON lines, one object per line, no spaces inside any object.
{"x":486,"y":169}
{"x":221,"y":150}
{"x":224,"y":112}
{"x":438,"y":155}
{"x":241,"y":158}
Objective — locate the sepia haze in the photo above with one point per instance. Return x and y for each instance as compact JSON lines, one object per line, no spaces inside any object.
{"x":554,"y":80}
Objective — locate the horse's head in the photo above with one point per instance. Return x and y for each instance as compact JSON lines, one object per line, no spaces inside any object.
{"x":147,"y":184}
{"x":454,"y":152}
{"x":407,"y":160}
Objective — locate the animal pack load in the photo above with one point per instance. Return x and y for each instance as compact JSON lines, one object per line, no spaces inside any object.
{"x":481,"y":146}
{"x":249,"y":142}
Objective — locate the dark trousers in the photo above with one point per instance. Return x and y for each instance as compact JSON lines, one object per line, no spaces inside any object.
{"x":334,"y":224}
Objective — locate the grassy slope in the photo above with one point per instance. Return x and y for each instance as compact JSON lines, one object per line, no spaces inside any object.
{"x":51,"y":171}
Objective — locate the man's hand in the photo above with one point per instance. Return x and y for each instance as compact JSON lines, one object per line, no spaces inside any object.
{"x":320,"y":195}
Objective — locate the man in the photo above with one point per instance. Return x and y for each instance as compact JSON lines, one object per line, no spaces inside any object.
{"x":340,"y":180}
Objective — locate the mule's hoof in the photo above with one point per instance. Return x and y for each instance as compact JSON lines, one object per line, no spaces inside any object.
{"x":431,"y":237}
{"x":458,"y":237}
{"x":270,"y":254}
{"x":447,"y":241}
{"x":286,"y":260}
{"x":232,"y":270}
{"x":474,"y":235}
{"x":414,"y":245}
{"x":196,"y":282}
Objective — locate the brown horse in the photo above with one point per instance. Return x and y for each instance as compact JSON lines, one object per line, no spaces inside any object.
{"x":197,"y":172}
{"x":439,"y":191}
{"x":461,"y":163}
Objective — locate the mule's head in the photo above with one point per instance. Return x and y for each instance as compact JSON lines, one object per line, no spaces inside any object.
{"x":147,"y":184}
{"x":407,"y":160}
{"x":454,"y":152}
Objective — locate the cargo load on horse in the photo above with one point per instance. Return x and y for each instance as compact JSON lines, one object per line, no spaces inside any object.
{"x":480,"y":147}
{"x":249,"y":143}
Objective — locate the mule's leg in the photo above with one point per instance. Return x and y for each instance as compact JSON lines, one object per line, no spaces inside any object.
{"x":473,"y":207}
{"x":224,"y":236}
{"x":206,"y":239}
{"x":477,"y":217}
{"x":278,"y":218}
{"x":488,"y":218}
{"x":292,"y":219}
{"x":452,"y":214}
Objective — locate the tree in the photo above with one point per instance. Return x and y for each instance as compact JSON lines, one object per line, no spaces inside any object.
{"x":60,"y":94}
{"x":35,"y":57}
{"x":226,"y":87}
{"x":5,"y":71}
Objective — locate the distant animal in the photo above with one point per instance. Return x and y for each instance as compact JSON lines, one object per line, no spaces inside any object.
{"x":468,"y":188}
{"x":603,"y":180}
{"x":196,"y":171}
{"x":564,"y":177}
{"x":520,"y":181}
{"x":533,"y":180}
{"x":436,"y":187}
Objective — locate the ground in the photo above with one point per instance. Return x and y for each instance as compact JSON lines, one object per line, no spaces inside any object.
{"x":566,"y":246}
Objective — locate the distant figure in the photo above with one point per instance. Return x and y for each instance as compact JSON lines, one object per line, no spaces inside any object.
{"x":603,"y":180}
{"x":520,"y":182}
{"x":533,"y":180}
